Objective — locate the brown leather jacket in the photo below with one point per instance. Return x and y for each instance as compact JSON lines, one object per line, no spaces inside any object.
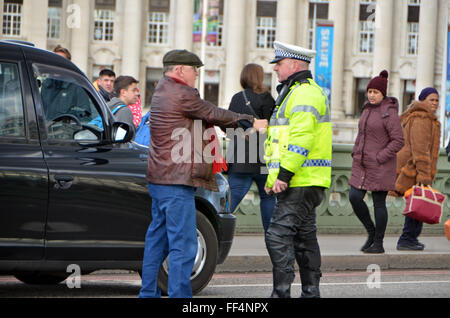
{"x":178,"y":122}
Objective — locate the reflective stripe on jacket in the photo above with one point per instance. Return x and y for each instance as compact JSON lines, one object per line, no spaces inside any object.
{"x":300,"y":137}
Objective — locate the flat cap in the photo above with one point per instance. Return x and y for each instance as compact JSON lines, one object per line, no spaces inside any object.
{"x":181,"y":57}
{"x":289,"y":51}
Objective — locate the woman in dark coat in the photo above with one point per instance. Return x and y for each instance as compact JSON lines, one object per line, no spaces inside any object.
{"x":417,"y":161}
{"x":379,"y":139}
{"x":247,"y":165}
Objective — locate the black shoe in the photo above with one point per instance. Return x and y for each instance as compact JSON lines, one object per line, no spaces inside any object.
{"x":368,"y":243}
{"x":282,"y":284}
{"x":375,"y":248}
{"x":420,"y":244}
{"x":410,"y":247}
{"x":310,"y":292}
{"x":310,"y":283}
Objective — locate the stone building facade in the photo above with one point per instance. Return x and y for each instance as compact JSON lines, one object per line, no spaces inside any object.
{"x":406,"y":37}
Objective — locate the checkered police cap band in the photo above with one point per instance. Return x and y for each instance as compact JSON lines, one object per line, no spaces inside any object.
{"x":285,"y":50}
{"x":282,"y":54}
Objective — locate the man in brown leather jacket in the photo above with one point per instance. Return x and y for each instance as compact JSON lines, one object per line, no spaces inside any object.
{"x":179,"y":161}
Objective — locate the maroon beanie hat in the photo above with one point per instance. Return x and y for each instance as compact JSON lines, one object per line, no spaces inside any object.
{"x":380,"y":82}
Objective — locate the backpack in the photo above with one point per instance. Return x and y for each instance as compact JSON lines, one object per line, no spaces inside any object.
{"x":143,"y":131}
{"x":97,"y":121}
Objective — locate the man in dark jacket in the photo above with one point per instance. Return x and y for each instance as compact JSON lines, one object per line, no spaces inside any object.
{"x":105,"y":84}
{"x":126,"y":89}
{"x":178,"y":162}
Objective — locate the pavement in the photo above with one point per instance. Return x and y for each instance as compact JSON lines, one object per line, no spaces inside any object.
{"x":341,"y":253}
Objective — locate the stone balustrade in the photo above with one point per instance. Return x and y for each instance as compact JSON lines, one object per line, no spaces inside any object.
{"x":335,"y":214}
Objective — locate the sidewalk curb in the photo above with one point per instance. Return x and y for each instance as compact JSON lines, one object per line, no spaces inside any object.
{"x":240,"y":264}
{"x":342,"y":253}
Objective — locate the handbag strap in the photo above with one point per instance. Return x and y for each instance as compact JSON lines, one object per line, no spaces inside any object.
{"x":249,"y":105}
{"x":430,"y":189}
{"x":424,"y":197}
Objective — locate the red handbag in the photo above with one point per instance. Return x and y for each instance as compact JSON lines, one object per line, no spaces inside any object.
{"x":424,"y":204}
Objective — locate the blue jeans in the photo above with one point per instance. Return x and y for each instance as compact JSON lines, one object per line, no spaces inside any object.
{"x":240,"y":183}
{"x":411,"y":231}
{"x":172,"y":233}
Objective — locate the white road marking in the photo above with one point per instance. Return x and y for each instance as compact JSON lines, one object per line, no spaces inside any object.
{"x":337,"y":284}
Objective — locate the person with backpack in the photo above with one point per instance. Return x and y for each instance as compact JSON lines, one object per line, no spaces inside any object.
{"x":126,"y":90}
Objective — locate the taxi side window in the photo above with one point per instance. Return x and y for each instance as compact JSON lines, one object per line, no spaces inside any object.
{"x":67,"y":105}
{"x":11,"y":102}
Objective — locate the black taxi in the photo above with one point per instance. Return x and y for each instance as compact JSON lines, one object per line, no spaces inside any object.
{"x":72,"y":192}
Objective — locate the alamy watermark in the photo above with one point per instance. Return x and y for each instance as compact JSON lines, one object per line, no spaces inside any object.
{"x":74,"y":279}
{"x":74,"y":17}
{"x":374,"y":279}
{"x":373,"y":9}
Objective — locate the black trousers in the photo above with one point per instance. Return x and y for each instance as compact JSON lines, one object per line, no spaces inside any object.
{"x":361,"y":210}
{"x":292,"y":235}
{"x":411,"y":231}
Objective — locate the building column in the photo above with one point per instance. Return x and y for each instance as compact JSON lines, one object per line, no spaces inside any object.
{"x":338,"y":16}
{"x":2,"y":3}
{"x":302,"y":23}
{"x":349,"y":93}
{"x":428,"y":23}
{"x":383,"y":36}
{"x":35,"y":14}
{"x":184,"y":24}
{"x":235,"y":46}
{"x":132,"y":38}
{"x":286,"y":21}
{"x":395,"y":88}
{"x":82,"y":12}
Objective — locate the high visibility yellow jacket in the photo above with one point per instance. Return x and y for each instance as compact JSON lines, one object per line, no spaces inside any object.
{"x":300,"y":137}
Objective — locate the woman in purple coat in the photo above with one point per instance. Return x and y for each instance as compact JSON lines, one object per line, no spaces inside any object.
{"x":380,"y":137}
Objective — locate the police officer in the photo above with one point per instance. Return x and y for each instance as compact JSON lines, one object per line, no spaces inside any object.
{"x":298,"y":155}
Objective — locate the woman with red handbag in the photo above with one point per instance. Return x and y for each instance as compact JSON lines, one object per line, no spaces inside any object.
{"x":417,"y":161}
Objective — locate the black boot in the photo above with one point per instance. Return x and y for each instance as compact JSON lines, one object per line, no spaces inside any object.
{"x":377,"y":246}
{"x":282,"y":284}
{"x":310,"y":283}
{"x":369,"y":242}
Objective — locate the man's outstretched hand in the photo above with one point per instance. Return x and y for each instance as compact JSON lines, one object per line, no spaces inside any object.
{"x":260,"y":124}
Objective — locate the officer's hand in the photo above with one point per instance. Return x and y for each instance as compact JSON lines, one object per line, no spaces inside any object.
{"x":260,"y":124}
{"x":268,"y":190}
{"x":279,"y":186}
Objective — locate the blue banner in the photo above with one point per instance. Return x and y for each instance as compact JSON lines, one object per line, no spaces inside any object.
{"x":324,"y":57}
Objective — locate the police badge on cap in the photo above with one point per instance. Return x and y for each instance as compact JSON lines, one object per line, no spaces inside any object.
{"x":288,"y":51}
